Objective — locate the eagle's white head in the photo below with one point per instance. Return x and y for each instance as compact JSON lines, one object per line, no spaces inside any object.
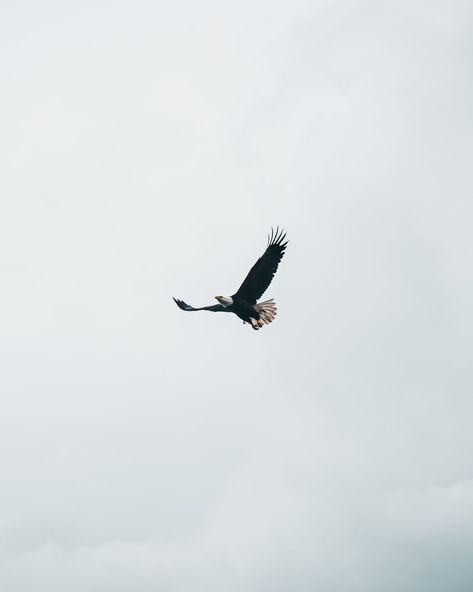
{"x":225,"y":301}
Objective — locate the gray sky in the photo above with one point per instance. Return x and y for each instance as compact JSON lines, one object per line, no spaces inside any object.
{"x":147,"y":149}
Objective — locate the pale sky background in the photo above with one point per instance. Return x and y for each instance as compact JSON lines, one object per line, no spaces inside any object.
{"x":147,"y":148}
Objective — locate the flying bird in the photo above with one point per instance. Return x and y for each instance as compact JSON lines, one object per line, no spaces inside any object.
{"x":244,"y":302}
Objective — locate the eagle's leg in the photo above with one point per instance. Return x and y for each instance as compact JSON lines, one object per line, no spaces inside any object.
{"x":256,"y":324}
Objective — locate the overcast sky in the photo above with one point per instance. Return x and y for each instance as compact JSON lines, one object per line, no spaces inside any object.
{"x":147,"y":148}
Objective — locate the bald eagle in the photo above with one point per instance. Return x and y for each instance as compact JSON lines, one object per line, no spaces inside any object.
{"x":243,"y":302}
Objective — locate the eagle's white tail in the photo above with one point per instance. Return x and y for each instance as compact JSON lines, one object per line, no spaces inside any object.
{"x":267,"y":312}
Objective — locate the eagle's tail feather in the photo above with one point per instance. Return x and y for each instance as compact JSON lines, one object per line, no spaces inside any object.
{"x":267,"y":311}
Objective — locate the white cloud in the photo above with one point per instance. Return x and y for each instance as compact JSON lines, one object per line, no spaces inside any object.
{"x":147,"y":150}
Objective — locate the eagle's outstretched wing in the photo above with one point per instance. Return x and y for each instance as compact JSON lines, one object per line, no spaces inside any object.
{"x":262,"y":272}
{"x":215,"y":308}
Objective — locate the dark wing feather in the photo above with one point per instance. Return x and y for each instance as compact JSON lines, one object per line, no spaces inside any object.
{"x":182,"y":305}
{"x":262,"y":272}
